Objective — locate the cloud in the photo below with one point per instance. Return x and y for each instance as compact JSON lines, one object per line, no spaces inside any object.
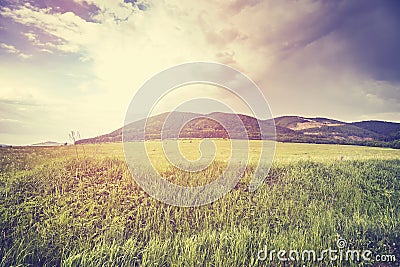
{"x":31,"y":36}
{"x":10,"y":48}
{"x":13,"y":50}
{"x":315,"y":58}
{"x":66,"y":28}
{"x":19,"y":108}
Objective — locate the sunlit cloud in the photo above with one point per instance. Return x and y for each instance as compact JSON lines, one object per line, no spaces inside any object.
{"x":13,"y":50}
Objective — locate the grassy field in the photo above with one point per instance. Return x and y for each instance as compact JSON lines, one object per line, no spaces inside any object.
{"x":79,"y":206}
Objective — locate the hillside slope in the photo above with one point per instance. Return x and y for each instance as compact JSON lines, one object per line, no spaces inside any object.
{"x":288,"y":129}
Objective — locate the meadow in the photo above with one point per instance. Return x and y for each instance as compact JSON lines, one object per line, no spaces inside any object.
{"x":79,"y":206}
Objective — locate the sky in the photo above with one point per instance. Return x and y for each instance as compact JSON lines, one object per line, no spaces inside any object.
{"x":75,"y":64}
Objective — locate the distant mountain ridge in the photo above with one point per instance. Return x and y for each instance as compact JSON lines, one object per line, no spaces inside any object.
{"x":4,"y":145}
{"x":288,"y":129}
{"x":49,"y":143}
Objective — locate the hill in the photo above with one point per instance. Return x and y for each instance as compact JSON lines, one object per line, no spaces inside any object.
{"x":48,"y":143}
{"x":288,"y":129}
{"x":390,"y":130}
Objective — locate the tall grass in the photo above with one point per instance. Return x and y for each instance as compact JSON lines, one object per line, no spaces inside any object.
{"x":89,"y":212}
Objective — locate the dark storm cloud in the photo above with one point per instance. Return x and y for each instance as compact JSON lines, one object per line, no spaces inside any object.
{"x":369,"y":29}
{"x":374,"y":40}
{"x":337,"y":59}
